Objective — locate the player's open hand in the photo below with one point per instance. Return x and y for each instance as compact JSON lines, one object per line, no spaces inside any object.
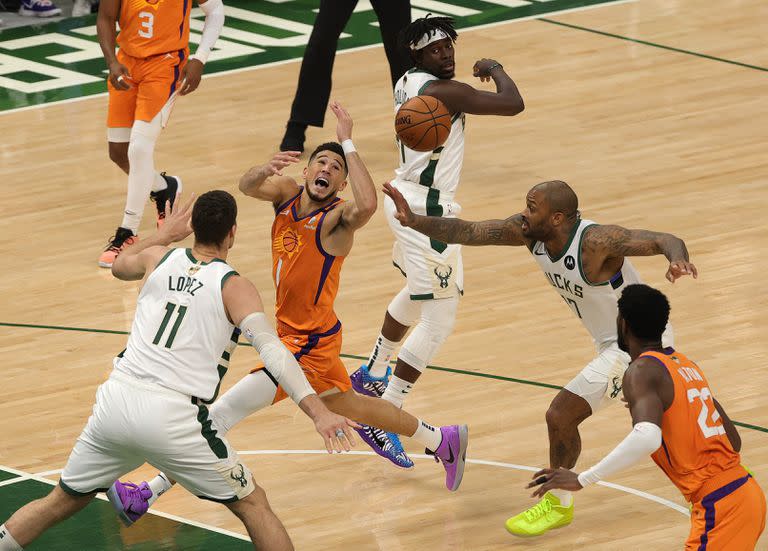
{"x":119,"y":76}
{"x":336,"y":431}
{"x":404,"y":214}
{"x":681,"y":268}
{"x":344,"y":124}
{"x":280,"y":160}
{"x":553,"y":479}
{"x":190,"y":76}
{"x":178,"y":220}
{"x":482,"y":68}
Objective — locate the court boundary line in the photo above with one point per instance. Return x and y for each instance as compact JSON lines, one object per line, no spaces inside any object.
{"x":626,"y":489}
{"x":352,"y":357}
{"x":40,"y":477}
{"x":339,"y":52}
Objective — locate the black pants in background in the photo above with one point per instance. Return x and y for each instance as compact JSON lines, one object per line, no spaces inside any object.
{"x":314,"y":88}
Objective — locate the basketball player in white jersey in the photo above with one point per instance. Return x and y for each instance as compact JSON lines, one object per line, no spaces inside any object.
{"x":586,"y":264}
{"x":153,"y":408}
{"x":428,"y":181}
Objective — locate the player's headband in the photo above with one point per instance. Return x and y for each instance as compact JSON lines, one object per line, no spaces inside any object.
{"x":428,"y":38}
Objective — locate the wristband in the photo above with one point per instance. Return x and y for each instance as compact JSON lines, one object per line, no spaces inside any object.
{"x":348,"y":147}
{"x":494,"y":66}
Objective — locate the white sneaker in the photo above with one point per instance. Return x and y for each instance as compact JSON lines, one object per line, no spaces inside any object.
{"x":39,"y":8}
{"x":81,"y":8}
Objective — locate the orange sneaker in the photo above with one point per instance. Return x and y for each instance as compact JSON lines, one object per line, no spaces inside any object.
{"x":122,"y":238}
{"x":167,"y":194}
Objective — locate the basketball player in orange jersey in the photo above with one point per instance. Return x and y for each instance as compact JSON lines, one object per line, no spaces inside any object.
{"x":685,"y":430}
{"x":312,"y":233}
{"x":150,"y":69}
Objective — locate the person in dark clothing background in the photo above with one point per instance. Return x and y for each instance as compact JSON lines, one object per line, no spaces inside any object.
{"x":314,"y":87}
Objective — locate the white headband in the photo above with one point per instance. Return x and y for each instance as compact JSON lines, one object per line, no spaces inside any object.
{"x":428,"y":38}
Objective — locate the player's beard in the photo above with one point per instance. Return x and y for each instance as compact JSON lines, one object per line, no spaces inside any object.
{"x":318,"y":199}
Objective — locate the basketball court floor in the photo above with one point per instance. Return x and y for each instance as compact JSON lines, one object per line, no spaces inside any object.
{"x":653,"y":110}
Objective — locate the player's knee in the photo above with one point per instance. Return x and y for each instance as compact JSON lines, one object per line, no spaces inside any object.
{"x":140,"y":149}
{"x":254,"y":502}
{"x":63,"y":505}
{"x":556,"y":418}
{"x":118,"y":154}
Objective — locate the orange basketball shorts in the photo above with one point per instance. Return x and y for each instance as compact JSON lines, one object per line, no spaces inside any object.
{"x":153,"y":82}
{"x":319,"y":355}
{"x":728,"y":519}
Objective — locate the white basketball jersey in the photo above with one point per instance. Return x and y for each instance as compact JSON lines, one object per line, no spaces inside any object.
{"x":596,"y":305}
{"x":438,"y":169}
{"x":181,"y":338}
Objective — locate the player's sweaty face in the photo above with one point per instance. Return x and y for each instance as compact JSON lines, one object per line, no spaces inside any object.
{"x":535,"y":216}
{"x":437,"y":58}
{"x":325,"y":175}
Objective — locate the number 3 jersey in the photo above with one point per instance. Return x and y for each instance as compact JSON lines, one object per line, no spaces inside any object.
{"x":595,"y":304}
{"x":153,"y":27}
{"x":695,"y":452}
{"x":181,"y":338}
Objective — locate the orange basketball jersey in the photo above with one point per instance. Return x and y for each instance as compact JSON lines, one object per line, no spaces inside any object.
{"x":152,"y":27}
{"x":306,"y":277}
{"x":695,"y":452}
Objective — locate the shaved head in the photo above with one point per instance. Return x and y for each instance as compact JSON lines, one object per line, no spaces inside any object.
{"x":559,"y":196}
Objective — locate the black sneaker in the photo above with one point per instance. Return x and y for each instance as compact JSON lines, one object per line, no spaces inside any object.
{"x":122,"y":238}
{"x":293,"y":140}
{"x":167,"y":194}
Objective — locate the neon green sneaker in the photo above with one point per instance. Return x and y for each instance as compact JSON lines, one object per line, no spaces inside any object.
{"x":546,"y":515}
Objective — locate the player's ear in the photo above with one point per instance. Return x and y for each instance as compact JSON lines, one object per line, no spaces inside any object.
{"x":304,"y":173}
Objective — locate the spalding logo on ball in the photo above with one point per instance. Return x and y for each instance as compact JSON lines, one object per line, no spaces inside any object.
{"x":423,"y":123}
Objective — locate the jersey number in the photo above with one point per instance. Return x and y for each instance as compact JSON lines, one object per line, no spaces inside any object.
{"x":170,"y":308}
{"x":147,"y":29}
{"x":708,"y":430}
{"x":574,"y":306}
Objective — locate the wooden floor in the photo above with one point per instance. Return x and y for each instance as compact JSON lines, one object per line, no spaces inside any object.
{"x":648,"y":137}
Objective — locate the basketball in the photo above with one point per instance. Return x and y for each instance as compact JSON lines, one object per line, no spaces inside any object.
{"x":423,"y":123}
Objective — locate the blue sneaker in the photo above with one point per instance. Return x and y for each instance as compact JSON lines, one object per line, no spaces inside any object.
{"x":386,"y":444}
{"x":365,"y":383}
{"x":39,"y":8}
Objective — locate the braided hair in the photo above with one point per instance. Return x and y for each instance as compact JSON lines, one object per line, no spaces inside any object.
{"x":411,"y":34}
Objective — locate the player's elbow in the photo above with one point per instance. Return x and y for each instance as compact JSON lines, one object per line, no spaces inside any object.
{"x":516,"y":106}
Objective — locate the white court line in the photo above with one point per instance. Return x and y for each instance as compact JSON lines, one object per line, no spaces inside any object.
{"x":347,"y":51}
{"x":39,"y":477}
{"x":619,"y":487}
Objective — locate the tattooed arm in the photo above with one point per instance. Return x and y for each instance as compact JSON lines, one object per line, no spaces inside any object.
{"x":455,"y":230}
{"x":615,"y":242}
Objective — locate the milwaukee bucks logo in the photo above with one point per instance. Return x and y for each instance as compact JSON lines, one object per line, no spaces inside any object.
{"x":239,"y":477}
{"x":443,"y":277}
{"x":616,"y":382}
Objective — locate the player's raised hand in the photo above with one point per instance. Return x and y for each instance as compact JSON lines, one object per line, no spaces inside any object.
{"x":281,"y":160}
{"x":483,"y":67}
{"x":178,"y":220}
{"x":553,"y":479}
{"x":336,"y":431}
{"x":119,"y":76}
{"x":404,"y":214}
{"x":344,"y":124}
{"x":681,"y":268}
{"x":190,"y":76}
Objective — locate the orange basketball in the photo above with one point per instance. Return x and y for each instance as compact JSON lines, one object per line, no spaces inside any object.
{"x":423,"y":123}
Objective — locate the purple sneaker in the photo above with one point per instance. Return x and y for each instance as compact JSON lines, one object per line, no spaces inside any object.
{"x":130,"y":501}
{"x":386,"y":444}
{"x":39,"y":8}
{"x":365,"y":383}
{"x":452,"y":452}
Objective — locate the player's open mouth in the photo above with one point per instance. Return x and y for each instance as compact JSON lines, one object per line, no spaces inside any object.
{"x":449,"y":67}
{"x":322,"y":182}
{"x":524,"y":225}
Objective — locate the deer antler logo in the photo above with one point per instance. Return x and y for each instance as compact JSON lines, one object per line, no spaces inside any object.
{"x":444,"y":277}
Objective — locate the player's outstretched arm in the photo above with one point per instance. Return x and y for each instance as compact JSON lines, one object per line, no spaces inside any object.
{"x":643,"y":389}
{"x":139,"y":259}
{"x":616,"y":242}
{"x":245,"y":309}
{"x":356,"y":213}
{"x":106,"y":30}
{"x":266,"y":182}
{"x":460,"y":97}
{"x":454,"y":230}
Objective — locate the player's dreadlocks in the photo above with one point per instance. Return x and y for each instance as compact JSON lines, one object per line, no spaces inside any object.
{"x":411,"y":34}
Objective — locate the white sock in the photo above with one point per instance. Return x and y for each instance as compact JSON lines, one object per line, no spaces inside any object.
{"x":428,"y":435}
{"x":565,"y":497}
{"x":159,"y":485}
{"x":380,"y":356}
{"x":397,"y":390}
{"x":159,"y":183}
{"x":7,"y":543}
{"x":141,"y":176}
